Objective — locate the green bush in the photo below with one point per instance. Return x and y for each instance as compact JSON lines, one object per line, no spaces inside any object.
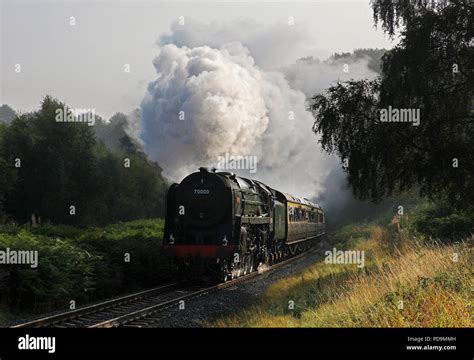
{"x":441,"y":222}
{"x":81,"y":264}
{"x":141,"y":240}
{"x":60,"y":231}
{"x":64,"y":272}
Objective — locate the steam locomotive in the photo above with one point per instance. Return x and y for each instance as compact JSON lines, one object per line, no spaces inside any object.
{"x":220,"y":226}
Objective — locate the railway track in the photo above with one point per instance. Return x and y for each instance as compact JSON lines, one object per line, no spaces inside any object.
{"x":146,"y":317}
{"x":141,"y":309}
{"x":92,"y":314}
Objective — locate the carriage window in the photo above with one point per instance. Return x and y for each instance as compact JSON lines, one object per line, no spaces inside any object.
{"x":298,"y":214}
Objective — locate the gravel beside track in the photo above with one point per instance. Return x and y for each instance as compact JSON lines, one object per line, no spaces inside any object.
{"x":201,"y":311}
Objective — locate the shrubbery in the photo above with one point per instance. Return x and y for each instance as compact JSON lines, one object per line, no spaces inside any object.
{"x":64,"y":271}
{"x":48,"y":166}
{"x":440,"y":222}
{"x":81,"y":265}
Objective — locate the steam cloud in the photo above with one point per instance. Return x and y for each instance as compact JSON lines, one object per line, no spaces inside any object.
{"x":241,"y":92}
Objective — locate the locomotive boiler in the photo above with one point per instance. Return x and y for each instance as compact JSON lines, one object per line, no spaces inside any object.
{"x":221,"y":226}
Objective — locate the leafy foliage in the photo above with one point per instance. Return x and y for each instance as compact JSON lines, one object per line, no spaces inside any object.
{"x":431,"y":69}
{"x":440,"y":222}
{"x":7,"y":176}
{"x":141,"y":240}
{"x":82,"y":265}
{"x":63,"y":164}
{"x":63,"y":270}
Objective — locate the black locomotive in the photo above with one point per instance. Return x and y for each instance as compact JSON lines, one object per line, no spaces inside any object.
{"x":220,"y":226}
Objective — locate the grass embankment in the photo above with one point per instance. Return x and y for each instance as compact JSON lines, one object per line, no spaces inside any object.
{"x":405,"y":283}
{"x":83,"y":265}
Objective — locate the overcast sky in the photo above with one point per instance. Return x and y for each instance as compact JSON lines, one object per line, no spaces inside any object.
{"x":83,"y":65}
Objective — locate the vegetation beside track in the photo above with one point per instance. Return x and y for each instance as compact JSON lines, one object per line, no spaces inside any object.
{"x":409,"y":280}
{"x":77,"y":264}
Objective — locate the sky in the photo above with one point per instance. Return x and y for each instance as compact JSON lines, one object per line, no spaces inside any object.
{"x":84,"y":64}
{"x":234,"y":69}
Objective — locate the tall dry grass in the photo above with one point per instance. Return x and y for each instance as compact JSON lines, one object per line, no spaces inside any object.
{"x":404,"y":283}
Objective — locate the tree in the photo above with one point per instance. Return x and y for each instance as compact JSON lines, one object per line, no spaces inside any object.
{"x":431,"y":69}
{"x":50,"y":166}
{"x":7,"y":175}
{"x":56,"y":168}
{"x":111,"y":132}
{"x":6,"y":114}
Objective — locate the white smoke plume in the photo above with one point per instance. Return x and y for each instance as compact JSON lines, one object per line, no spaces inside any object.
{"x":237,"y":89}
{"x":270,"y":45}
{"x":311,"y":75}
{"x":205,"y":102}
